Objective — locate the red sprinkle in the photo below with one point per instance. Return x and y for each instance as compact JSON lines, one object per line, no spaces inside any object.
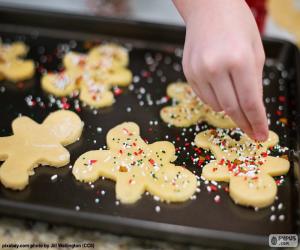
{"x":91,"y":162}
{"x":118,"y":91}
{"x":281,"y":98}
{"x":152,"y":162}
{"x":213,"y":188}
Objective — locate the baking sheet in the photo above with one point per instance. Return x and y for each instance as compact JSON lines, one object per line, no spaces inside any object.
{"x":154,"y":64}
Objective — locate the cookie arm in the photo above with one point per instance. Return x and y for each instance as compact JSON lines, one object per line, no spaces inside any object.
{"x":4,"y":147}
{"x":165,"y":150}
{"x":93,"y":164}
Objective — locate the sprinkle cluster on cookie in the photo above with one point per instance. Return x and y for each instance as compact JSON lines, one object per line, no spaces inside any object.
{"x":93,"y":74}
{"x":137,"y":167}
{"x":244,"y":163}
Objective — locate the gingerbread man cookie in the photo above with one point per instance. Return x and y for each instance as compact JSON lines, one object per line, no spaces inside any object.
{"x":95,"y":93}
{"x":12,"y":67}
{"x":34,"y":144}
{"x":244,"y":163}
{"x":93,"y":74}
{"x":189,"y":110}
{"x":136,"y":167}
{"x":117,"y":54}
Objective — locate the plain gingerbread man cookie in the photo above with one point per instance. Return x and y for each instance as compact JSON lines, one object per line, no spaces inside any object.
{"x":136,"y":167}
{"x":12,"y":67}
{"x":34,"y":144}
{"x":245,"y":164}
{"x":93,"y":74}
{"x":189,"y":109}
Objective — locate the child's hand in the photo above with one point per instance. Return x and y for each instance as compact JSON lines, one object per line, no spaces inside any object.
{"x":223,"y":60}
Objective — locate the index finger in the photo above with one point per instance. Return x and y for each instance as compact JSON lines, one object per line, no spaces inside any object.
{"x":249,"y":93}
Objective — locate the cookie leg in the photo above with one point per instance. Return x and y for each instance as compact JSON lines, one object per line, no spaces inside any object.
{"x":128,"y":188}
{"x":15,"y":175}
{"x":172,"y":183}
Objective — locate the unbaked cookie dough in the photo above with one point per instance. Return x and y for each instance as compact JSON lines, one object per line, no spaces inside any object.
{"x":189,"y":110}
{"x":34,"y":144}
{"x":93,"y":74}
{"x":137,"y":167}
{"x":244,"y":163}
{"x":12,"y":66}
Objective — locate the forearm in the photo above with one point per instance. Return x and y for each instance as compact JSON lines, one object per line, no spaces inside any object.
{"x":185,"y":6}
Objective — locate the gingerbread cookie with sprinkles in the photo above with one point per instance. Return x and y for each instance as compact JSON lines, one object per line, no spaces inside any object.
{"x":137,"y":167}
{"x":34,"y":144}
{"x":92,"y":74}
{"x":188,"y":109}
{"x":12,"y":66}
{"x":244,"y":163}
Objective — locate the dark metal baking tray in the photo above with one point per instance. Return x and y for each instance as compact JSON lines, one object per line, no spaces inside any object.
{"x":199,"y":221}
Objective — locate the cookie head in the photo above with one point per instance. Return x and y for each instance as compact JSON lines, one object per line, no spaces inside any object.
{"x":120,"y":135}
{"x":64,"y":125}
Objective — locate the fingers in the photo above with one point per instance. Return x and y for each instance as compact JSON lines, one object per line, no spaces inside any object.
{"x":249,"y":93}
{"x":207,"y":95}
{"x":228,"y":100}
{"x":259,"y":61}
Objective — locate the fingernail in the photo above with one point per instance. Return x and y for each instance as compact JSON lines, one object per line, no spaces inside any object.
{"x":261,"y":136}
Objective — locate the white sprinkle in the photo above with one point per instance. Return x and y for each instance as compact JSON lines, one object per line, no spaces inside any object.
{"x":273,"y":217}
{"x":54,"y":177}
{"x":103,"y":192}
{"x":272,"y":208}
{"x":156,"y":198}
{"x":128,"y":109}
{"x":99,"y":129}
{"x":136,"y":79}
{"x":217,"y":198}
{"x":77,"y":208}
{"x":117,"y":203}
{"x":281,"y":217}
{"x":97,"y":200}
{"x":2,"y":89}
{"x":157,"y":209}
{"x":280,"y":206}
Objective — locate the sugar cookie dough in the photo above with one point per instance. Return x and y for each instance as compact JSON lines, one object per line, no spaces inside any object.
{"x":93,"y":74}
{"x":189,"y":110}
{"x":137,"y":167}
{"x":117,"y":54}
{"x":12,"y":66}
{"x":244,"y":163}
{"x":61,"y":84}
{"x":34,"y":144}
{"x":95,"y":93}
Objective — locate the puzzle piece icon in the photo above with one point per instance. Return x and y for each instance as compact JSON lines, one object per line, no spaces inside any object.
{"x":34,"y":144}
{"x":93,"y":74}
{"x":189,"y":109}
{"x":12,"y":66}
{"x":244,"y":163}
{"x":137,"y":167}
